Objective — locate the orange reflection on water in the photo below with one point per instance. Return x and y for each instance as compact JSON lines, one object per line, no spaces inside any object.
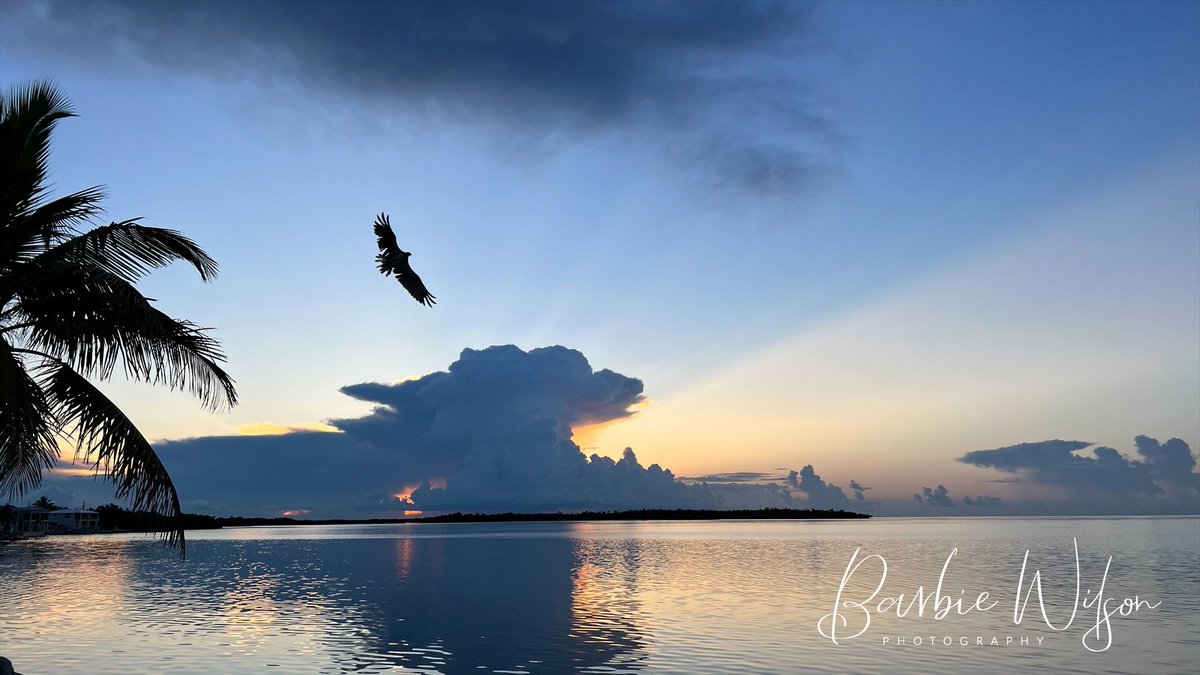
{"x":605,"y":610}
{"x":404,"y":557}
{"x":642,"y":586}
{"x":65,"y":595}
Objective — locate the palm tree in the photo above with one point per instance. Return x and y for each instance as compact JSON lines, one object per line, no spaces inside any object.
{"x":44,"y":502}
{"x":69,"y":312}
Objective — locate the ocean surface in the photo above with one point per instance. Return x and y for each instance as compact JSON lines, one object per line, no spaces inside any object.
{"x":626,"y":597}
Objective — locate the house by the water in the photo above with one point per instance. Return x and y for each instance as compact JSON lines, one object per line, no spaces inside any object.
{"x":74,"y":520}
{"x":35,"y":521}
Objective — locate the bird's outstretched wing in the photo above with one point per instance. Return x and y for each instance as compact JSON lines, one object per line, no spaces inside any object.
{"x":389,"y":250}
{"x":415,"y":287}
{"x":393,"y":261}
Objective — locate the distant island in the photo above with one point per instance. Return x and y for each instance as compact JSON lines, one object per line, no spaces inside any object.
{"x":113,"y":517}
{"x":644,"y":514}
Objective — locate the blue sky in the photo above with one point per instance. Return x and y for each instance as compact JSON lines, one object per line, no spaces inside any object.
{"x":867,"y":237}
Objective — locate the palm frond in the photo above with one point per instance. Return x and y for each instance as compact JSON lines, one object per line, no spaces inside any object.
{"x":69,"y":311}
{"x":110,"y":442}
{"x":28,"y":114}
{"x":129,"y":250}
{"x":28,"y":427}
{"x":93,"y":319}
{"x":31,"y":233}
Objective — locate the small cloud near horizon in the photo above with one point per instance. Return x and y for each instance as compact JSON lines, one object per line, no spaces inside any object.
{"x":1162,"y":473}
{"x":938,"y":496}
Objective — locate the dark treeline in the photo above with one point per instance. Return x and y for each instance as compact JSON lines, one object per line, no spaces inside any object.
{"x":113,"y":517}
{"x":646,"y":514}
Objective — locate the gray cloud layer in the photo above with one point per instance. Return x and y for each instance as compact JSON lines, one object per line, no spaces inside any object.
{"x":713,"y":84}
{"x":1164,"y":469}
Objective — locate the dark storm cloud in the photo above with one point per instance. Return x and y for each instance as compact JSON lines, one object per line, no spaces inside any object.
{"x":497,"y":428}
{"x":499,"y":392}
{"x":1164,"y":470}
{"x":712,"y":84}
{"x":558,"y":478}
{"x":498,"y":424}
{"x":332,"y":475}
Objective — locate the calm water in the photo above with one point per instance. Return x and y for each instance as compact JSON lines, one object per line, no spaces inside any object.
{"x":667,"y":597}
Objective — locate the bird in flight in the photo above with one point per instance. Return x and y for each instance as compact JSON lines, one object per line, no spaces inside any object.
{"x":394,"y":261}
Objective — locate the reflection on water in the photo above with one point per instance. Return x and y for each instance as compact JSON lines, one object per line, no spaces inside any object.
{"x":694,"y":597}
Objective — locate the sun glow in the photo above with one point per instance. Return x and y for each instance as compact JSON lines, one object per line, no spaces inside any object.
{"x":405,"y":494}
{"x":589,"y":437}
{"x":74,"y":472}
{"x":268,"y":429}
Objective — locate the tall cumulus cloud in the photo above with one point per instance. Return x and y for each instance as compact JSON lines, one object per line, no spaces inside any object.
{"x":711,"y":84}
{"x":496,"y":427}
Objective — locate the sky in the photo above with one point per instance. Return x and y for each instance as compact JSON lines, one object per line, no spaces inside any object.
{"x":909,"y":258}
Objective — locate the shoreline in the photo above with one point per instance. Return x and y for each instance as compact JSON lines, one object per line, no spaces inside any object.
{"x":212,"y":522}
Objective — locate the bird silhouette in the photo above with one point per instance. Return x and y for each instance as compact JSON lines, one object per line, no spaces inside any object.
{"x":394,"y":261}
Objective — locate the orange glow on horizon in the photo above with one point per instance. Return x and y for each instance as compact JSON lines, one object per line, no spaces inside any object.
{"x":296,"y":513}
{"x":269,"y":429}
{"x":87,"y":473}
